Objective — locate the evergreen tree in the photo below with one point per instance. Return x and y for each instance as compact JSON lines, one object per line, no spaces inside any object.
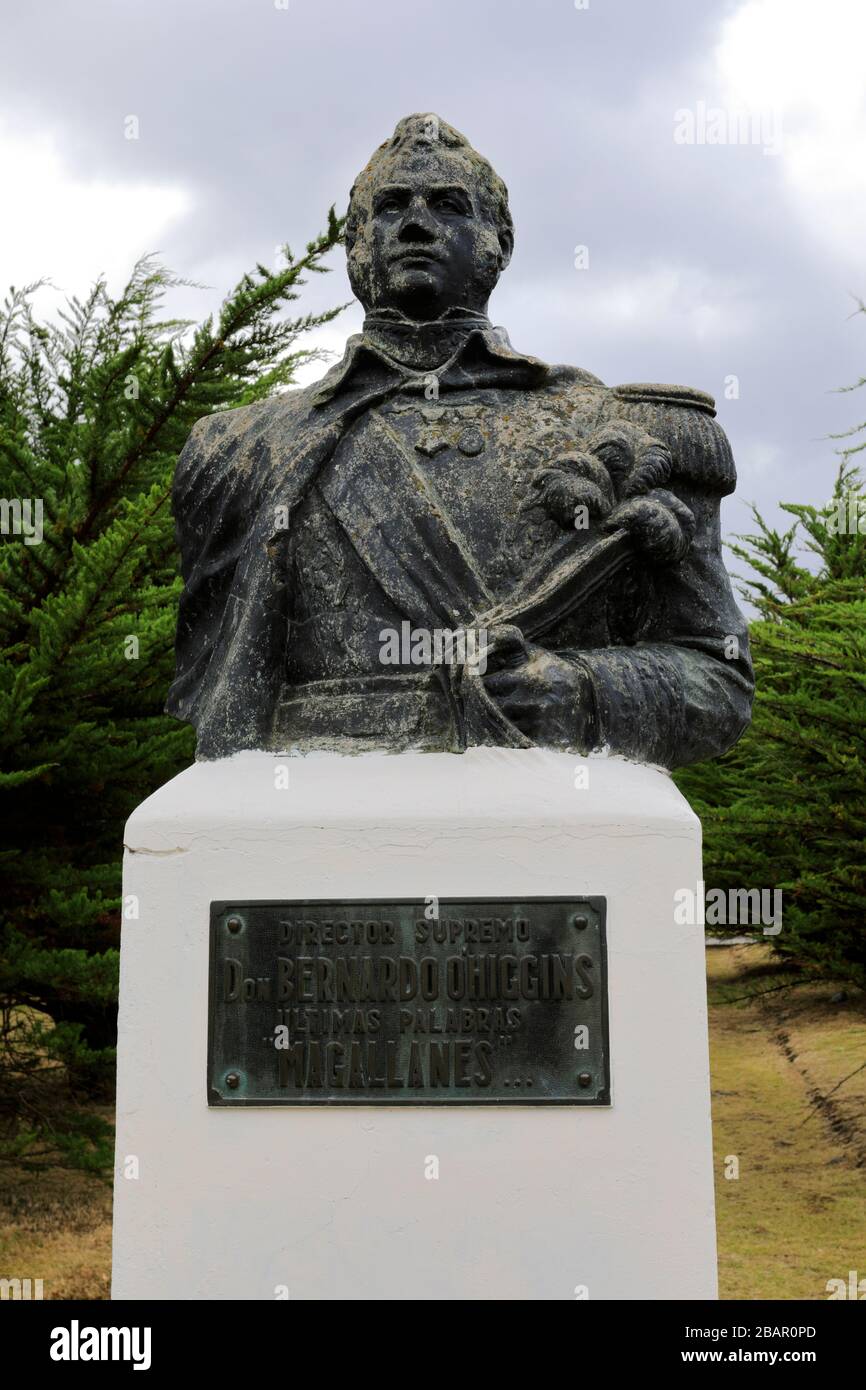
{"x":94,"y":409}
{"x":786,"y":807}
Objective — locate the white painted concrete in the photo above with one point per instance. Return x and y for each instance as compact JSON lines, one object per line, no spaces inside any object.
{"x":333,"y":1202}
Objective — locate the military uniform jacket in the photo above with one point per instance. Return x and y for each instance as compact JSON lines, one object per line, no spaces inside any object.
{"x":390,"y":496}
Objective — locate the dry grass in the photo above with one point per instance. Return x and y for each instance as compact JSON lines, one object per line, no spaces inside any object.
{"x":794,"y":1218}
{"x":55,"y":1225}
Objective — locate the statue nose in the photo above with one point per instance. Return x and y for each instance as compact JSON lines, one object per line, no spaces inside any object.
{"x":417,"y":224}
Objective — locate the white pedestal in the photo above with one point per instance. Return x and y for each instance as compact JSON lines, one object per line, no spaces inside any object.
{"x":333,"y":1202}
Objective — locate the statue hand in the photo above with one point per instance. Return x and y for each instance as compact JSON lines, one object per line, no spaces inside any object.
{"x":548,"y":699}
{"x":569,"y":482}
{"x":659,"y":523}
{"x":618,"y":462}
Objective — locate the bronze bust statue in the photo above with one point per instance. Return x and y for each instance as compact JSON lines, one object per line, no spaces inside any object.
{"x":446,"y":542}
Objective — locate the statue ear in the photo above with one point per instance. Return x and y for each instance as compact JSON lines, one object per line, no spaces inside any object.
{"x":357,"y":277}
{"x":506,"y":243}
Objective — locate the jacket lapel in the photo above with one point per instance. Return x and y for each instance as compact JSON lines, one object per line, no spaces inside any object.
{"x":398,"y":526}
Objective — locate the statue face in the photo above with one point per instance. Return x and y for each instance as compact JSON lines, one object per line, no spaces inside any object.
{"x":431,"y":243}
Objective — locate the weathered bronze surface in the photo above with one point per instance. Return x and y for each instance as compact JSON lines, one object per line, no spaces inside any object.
{"x":408,"y":1001}
{"x":438,"y":482}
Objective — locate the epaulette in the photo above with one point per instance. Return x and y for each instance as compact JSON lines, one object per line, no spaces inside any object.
{"x":684,"y":419}
{"x":654,"y":393}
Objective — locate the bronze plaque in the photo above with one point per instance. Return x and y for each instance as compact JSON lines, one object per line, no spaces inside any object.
{"x":408,"y":1001}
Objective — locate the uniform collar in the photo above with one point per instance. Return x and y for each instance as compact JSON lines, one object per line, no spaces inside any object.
{"x":460,"y":349}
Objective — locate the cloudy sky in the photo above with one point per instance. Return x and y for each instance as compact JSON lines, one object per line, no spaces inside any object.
{"x":708,"y":155}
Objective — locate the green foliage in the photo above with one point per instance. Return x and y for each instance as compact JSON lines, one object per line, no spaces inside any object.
{"x":94,"y":409}
{"x":786,"y":807}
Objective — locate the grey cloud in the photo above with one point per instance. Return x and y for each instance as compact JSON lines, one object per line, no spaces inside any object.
{"x":267,"y":115}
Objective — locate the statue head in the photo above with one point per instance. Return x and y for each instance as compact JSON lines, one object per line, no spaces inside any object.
{"x":428,"y":227}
